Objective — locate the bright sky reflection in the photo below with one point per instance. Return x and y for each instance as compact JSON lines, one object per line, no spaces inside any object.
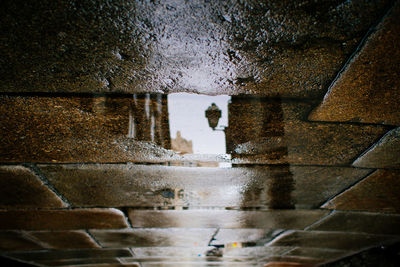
{"x":187,"y":115}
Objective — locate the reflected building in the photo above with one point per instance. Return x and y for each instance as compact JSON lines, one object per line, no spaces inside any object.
{"x":181,"y":145}
{"x":148,"y":119}
{"x":255,"y":120}
{"x":256,"y":128}
{"x":143,"y":117}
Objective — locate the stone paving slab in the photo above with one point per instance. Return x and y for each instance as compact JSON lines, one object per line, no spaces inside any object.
{"x":72,"y":129}
{"x":199,"y":261}
{"x":274,"y":48}
{"x":275,"y":132}
{"x":325,"y":254}
{"x":17,"y":240}
{"x":96,"y":129}
{"x":21,"y":188}
{"x":229,"y":253}
{"x":150,"y":185}
{"x":106,"y":265}
{"x":290,"y":260}
{"x":252,"y":236}
{"x":257,"y":251}
{"x":286,"y":264}
{"x":364,"y":222}
{"x":153,"y":237}
{"x":55,"y":255}
{"x":64,"y":239}
{"x":80,"y":262}
{"x":144,"y":252}
{"x":269,"y":219}
{"x":62,"y":219}
{"x":379,"y":192}
{"x":331,"y":240}
{"x":197,"y":264}
{"x":384,"y":154}
{"x":368,"y":90}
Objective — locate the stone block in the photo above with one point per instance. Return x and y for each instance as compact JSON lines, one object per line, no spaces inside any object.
{"x":193,"y":252}
{"x":268,"y":219}
{"x":368,"y":90}
{"x":80,"y":129}
{"x":16,"y":240}
{"x":62,"y":219}
{"x":78,"y":262}
{"x":65,"y":239}
{"x":153,"y":237}
{"x":384,"y":154}
{"x":55,"y":255}
{"x":241,"y":236}
{"x":106,"y":265}
{"x":123,"y":185}
{"x":197,"y":264}
{"x":331,"y":240}
{"x":22,"y":188}
{"x":272,"y":48}
{"x":318,"y":253}
{"x":268,"y":131}
{"x":363,"y":222}
{"x":291,"y":261}
{"x":182,"y":252}
{"x":379,"y":192}
{"x":285,"y":264}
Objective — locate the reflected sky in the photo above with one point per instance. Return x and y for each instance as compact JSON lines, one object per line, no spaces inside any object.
{"x":187,"y":115}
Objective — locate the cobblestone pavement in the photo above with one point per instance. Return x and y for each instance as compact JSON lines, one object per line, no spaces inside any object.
{"x":198,"y":133}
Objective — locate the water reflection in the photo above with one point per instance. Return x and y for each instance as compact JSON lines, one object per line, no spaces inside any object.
{"x":178,"y":122}
{"x":187,"y":116}
{"x":148,"y":119}
{"x":243,"y":121}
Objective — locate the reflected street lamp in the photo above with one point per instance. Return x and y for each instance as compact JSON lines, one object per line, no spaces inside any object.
{"x":213,"y":114}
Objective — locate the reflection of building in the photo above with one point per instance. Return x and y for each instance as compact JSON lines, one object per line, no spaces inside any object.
{"x":148,"y":119}
{"x":256,"y":126}
{"x":180,"y":144}
{"x":252,"y":119}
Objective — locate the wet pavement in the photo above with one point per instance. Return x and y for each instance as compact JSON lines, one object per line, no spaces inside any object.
{"x":201,"y":133}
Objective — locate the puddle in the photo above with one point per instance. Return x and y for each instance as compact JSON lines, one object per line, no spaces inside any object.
{"x":231,"y":128}
{"x":188,"y":123}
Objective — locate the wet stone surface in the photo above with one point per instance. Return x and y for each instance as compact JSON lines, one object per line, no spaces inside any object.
{"x":290,"y":260}
{"x":20,"y":187}
{"x":64,"y":239}
{"x":269,"y":219}
{"x":384,"y":154}
{"x":363,"y":222}
{"x":62,"y":219}
{"x":152,"y":185}
{"x":231,"y":253}
{"x":85,"y":262}
{"x":188,"y":263}
{"x":376,"y":193}
{"x":326,"y":254}
{"x":244,"y":236}
{"x":285,"y":264}
{"x":70,"y":254}
{"x":331,"y":240}
{"x":136,"y":128}
{"x":154,"y":237}
{"x":15,"y":240}
{"x":368,"y":91}
{"x":291,"y":48}
{"x":195,"y":133}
